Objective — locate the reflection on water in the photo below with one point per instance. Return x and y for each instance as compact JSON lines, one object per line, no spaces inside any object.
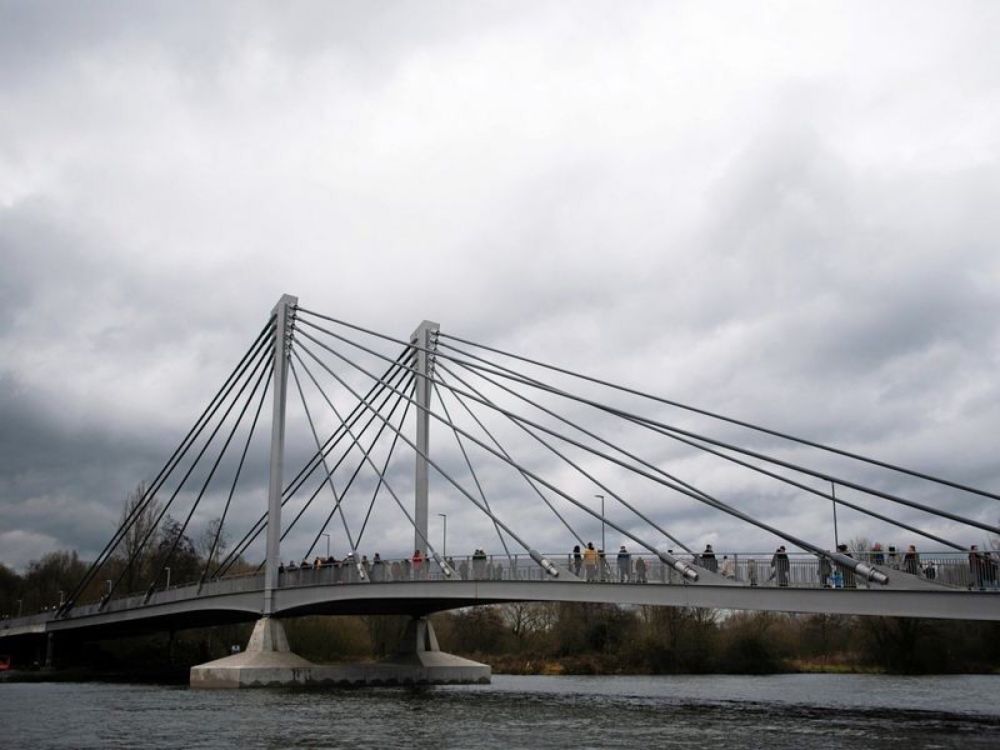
{"x":787,"y":711}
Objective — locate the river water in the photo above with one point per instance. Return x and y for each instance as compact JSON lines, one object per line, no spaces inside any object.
{"x":718,"y":712}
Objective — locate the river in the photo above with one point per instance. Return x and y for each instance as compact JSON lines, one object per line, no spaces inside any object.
{"x":718,"y":712}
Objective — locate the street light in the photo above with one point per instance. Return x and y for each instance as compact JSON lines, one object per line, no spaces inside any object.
{"x":833,"y":496}
{"x":603,"y":545}
{"x":19,"y":603}
{"x":444,"y":535}
{"x":327,"y":544}
{"x":167,"y":568}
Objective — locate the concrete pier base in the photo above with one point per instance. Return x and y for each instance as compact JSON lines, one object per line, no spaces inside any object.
{"x":268,"y":662}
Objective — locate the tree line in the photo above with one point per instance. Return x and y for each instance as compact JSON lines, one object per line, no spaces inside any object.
{"x":563,"y":638}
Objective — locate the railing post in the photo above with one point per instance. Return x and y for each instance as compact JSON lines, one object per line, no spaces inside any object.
{"x":282,"y":339}
{"x":423,"y":338}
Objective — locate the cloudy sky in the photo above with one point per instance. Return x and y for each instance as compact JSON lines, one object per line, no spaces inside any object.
{"x":786,"y":212}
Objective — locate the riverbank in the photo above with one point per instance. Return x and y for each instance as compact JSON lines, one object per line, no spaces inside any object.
{"x":174,"y":676}
{"x":595,"y":665}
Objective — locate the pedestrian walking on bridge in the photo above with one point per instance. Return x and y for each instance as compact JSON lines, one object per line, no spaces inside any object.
{"x":624,"y":565}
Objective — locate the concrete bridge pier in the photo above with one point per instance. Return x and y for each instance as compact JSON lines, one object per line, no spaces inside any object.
{"x":421,"y":661}
{"x":268,"y":661}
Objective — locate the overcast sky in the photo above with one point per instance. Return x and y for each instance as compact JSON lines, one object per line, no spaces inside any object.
{"x":786,"y":212}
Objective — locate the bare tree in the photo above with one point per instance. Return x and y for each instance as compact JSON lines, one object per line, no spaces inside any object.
{"x":529,"y":618}
{"x":141,"y":525}
{"x":860,"y":547}
{"x":206,"y":544}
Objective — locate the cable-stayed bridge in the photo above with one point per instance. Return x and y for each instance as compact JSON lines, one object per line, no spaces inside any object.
{"x":515,"y":439}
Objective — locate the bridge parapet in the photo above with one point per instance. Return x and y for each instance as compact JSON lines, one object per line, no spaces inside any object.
{"x":798,"y":570}
{"x":230,"y":585}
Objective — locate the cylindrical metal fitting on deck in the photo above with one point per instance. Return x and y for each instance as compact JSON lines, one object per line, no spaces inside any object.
{"x":544,"y":562}
{"x":445,"y":568}
{"x":680,"y":566}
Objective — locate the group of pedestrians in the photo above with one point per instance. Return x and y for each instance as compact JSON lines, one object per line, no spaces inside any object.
{"x":350,"y":569}
{"x":592,"y":564}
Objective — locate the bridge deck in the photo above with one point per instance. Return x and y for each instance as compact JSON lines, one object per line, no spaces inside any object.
{"x":395,"y":590}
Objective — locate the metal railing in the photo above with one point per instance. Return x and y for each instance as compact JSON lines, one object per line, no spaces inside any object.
{"x":486,"y":568}
{"x":797,"y":570}
{"x":221,"y":586}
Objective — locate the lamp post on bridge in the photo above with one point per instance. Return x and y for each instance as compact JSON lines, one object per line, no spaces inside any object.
{"x":836,"y":535}
{"x":603,"y":545}
{"x":167,"y":568}
{"x":444,"y":535}
{"x":327,"y":544}
{"x":20,"y":604}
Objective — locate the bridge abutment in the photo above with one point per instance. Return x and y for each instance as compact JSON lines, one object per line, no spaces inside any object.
{"x":268,"y":661}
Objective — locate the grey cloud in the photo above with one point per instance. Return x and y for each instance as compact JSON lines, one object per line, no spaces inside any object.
{"x":794,"y":227}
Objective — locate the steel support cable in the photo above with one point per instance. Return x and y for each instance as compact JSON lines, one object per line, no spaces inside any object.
{"x":385,"y":468}
{"x":329,"y":474}
{"x":393,"y":374}
{"x":612,"y":410}
{"x":261,"y":524}
{"x":860,"y":568}
{"x":266,"y":371}
{"x":683,"y":488}
{"x":176,"y":457}
{"x":153,"y":527}
{"x":314,"y":462}
{"x":576,"y":466}
{"x":167,"y":469}
{"x":350,"y":482}
{"x":261,"y":362}
{"x":748,"y":465}
{"x":236,"y":478}
{"x":666,"y":430}
{"x":507,"y":455}
{"x":526,"y":380}
{"x":675,"y":562}
{"x":812,"y":490}
{"x":472,"y":471}
{"x":338,"y":498}
{"x":354,"y":546}
{"x":652,"y":424}
{"x":437,"y":558}
{"x":723,"y":418}
{"x":258,"y":527}
{"x":673,"y":483}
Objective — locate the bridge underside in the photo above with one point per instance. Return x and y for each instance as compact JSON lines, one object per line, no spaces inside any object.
{"x":424,"y":598}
